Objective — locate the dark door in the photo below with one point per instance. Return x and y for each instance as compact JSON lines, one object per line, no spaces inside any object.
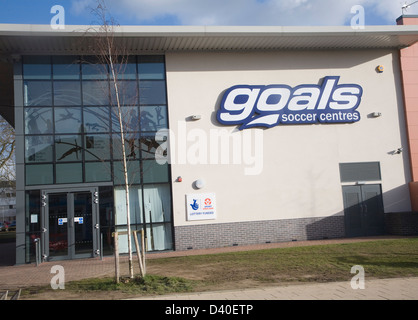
{"x":363,"y":210}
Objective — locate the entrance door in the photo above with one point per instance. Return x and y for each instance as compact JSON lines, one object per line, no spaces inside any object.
{"x":70,"y":224}
{"x":363,"y":210}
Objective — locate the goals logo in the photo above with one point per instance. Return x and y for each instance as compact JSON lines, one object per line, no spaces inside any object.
{"x":269,"y":106}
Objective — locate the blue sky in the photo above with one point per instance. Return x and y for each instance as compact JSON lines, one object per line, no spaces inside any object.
{"x":208,"y":12}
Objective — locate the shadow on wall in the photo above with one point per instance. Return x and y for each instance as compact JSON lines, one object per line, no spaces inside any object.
{"x":366,"y":217}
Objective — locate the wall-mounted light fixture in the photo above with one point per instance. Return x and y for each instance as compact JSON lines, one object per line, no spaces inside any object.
{"x":196,"y":117}
{"x":376,"y":114}
{"x":199,"y":184}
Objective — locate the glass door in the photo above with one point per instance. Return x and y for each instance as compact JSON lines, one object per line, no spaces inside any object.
{"x":58,"y":225}
{"x":71,"y":224}
{"x":82,"y":218}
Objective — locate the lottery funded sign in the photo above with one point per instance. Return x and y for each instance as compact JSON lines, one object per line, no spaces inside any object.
{"x":201,"y":206}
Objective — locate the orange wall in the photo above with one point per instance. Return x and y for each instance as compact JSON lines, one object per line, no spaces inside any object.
{"x":409,"y":68}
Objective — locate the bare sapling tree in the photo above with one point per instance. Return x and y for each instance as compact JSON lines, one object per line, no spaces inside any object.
{"x":115,"y":58}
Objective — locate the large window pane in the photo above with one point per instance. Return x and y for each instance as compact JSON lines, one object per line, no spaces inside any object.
{"x":95,"y":93}
{"x":69,"y":173}
{"x":39,"y":174}
{"x":134,"y":172}
{"x":98,"y":171}
{"x":38,"y":121}
{"x":68,"y":148}
{"x":94,"y":71}
{"x":153,"y":118}
{"x":37,"y":93}
{"x":38,"y":149}
{"x":65,"y":68}
{"x":128,"y":93}
{"x":150,"y":147}
{"x":68,"y":120}
{"x":152,"y":92}
{"x":151,"y":68}
{"x":97,"y":147}
{"x":67,"y":93}
{"x":96,"y":119}
{"x":37,"y":67}
{"x":125,"y":70}
{"x":129,"y":117}
{"x":157,"y":203}
{"x":131,"y":146}
{"x":135,"y":205}
{"x":154,"y":172}
{"x":159,"y":237}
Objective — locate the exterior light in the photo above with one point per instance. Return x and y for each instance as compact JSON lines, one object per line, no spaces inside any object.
{"x":199,"y":183}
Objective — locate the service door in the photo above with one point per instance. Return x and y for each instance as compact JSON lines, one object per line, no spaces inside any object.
{"x":363,"y":210}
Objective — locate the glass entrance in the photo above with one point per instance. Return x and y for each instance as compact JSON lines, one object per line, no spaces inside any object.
{"x":71,"y":225}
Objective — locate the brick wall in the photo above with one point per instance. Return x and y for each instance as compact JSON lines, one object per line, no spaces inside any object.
{"x":402,"y":223}
{"x":257,"y":232}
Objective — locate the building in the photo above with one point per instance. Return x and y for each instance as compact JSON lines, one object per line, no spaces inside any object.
{"x":241,"y":135}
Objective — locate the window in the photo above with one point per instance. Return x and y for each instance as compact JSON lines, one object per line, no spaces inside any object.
{"x":361,"y":171}
{"x":39,"y":174}
{"x":68,"y":120}
{"x":67,"y":93}
{"x":69,"y":172}
{"x":72,"y":132}
{"x":65,"y":68}
{"x":38,"y":121}
{"x":37,"y":93}
{"x":38,"y":149}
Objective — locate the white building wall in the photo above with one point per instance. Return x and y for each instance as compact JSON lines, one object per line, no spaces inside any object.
{"x":300,"y":163}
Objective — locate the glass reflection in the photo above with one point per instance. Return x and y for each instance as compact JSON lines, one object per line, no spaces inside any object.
{"x":65,"y":67}
{"x":68,"y":148}
{"x":67,"y":120}
{"x":95,"y":93}
{"x":150,"y":146}
{"x":37,"y":93}
{"x":152,"y":92}
{"x":38,"y":149}
{"x":97,"y":147}
{"x":153,"y":118}
{"x":96,"y":119}
{"x":38,"y":121}
{"x":67,"y":93}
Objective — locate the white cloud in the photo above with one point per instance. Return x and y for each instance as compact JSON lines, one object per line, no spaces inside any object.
{"x":250,"y":12}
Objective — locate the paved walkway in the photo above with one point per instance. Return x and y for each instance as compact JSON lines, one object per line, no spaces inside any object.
{"x":382,"y":289}
{"x":21,"y":276}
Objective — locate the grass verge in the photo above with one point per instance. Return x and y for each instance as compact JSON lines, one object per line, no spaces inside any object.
{"x":321,"y":263}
